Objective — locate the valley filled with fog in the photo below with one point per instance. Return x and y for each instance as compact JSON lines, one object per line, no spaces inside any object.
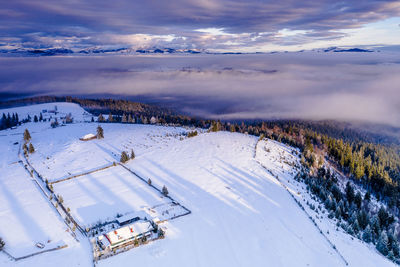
{"x":308,"y":85}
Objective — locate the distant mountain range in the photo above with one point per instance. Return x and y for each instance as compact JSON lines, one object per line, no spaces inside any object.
{"x":95,"y":50}
{"x":124,"y":50}
{"x":338,"y":50}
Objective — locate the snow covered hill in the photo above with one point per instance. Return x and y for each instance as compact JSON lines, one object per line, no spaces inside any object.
{"x":240,"y":191}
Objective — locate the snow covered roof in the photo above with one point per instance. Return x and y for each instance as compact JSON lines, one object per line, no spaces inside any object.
{"x":128,"y":232}
{"x":130,"y":216}
{"x":88,"y":137}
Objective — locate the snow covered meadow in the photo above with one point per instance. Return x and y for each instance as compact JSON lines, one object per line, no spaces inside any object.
{"x":241,"y":214}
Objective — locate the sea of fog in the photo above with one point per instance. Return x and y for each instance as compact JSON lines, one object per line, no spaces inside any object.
{"x":310,"y":85}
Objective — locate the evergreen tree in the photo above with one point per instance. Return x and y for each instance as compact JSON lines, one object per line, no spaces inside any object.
{"x":383,"y":217}
{"x":375,"y":226}
{"x":355,"y":226}
{"x":25,"y":148}
{"x":35,"y":118}
{"x":92,"y":120}
{"x":3,"y":122}
{"x":349,"y":192}
{"x":31,"y":148}
{"x":165,"y":190}
{"x":338,"y":213}
{"x":124,"y":157}
{"x":8,"y":121}
{"x":149,"y":181}
{"x":395,"y":248}
{"x":382,"y":245}
{"x":100,"y":132}
{"x":362,"y":219}
{"x":367,"y":235}
{"x":132,"y":154}
{"x":2,"y":243}
{"x":100,"y":118}
{"x":124,"y":119}
{"x":110,"y":117}
{"x":358,"y":200}
{"x":27,"y":135}
{"x":54,"y":124}
{"x":40,"y":116}
{"x":215,"y":126}
{"x":130,"y":119}
{"x":359,"y":172}
{"x":367,"y":196}
{"x":68,"y":118}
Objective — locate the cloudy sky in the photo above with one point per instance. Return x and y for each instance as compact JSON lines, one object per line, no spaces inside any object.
{"x":214,"y":25}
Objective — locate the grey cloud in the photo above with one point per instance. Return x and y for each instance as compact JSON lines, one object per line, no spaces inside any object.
{"x":89,"y":22}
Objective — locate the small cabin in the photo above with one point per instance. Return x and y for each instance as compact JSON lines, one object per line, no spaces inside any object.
{"x":88,"y":137}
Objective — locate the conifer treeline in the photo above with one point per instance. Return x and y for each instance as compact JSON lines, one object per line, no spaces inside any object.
{"x":8,"y":121}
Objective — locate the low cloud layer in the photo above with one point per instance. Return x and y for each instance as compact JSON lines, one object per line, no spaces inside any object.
{"x":284,"y":85}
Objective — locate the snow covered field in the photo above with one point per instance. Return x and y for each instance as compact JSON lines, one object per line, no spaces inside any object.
{"x":65,"y":155}
{"x":104,"y":194}
{"x":27,"y":218}
{"x":241,"y":214}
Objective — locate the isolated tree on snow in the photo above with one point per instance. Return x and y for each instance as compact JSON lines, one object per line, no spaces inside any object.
{"x":132,"y":154}
{"x":35,"y":119}
{"x":149,"y":181}
{"x":31,"y":148}
{"x":100,"y":132}
{"x":124,"y":157}
{"x":54,"y":124}
{"x":68,"y":118}
{"x":27,"y":135}
{"x":41,"y":117}
{"x":92,"y":120}
{"x":165,"y":190}
{"x":25,"y":148}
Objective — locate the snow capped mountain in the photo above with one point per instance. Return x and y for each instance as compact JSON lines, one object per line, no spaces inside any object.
{"x":154,"y":50}
{"x":340,"y":50}
{"x":95,"y":51}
